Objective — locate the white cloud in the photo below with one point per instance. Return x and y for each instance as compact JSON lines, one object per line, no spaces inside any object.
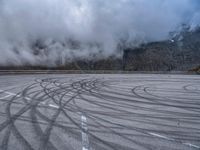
{"x":97,"y":25}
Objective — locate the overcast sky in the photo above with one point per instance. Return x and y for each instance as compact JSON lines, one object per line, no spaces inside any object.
{"x":103,"y":22}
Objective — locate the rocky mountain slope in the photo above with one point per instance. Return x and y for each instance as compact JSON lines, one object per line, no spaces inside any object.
{"x":182,"y":52}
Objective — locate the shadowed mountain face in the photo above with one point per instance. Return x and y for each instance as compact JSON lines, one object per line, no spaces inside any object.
{"x":182,"y":52}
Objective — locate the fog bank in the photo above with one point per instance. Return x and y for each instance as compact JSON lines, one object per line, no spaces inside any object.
{"x":51,"y":32}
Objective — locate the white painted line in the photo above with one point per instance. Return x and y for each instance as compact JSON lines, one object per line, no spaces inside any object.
{"x":27,"y":98}
{"x":9,"y":93}
{"x":192,"y":145}
{"x":5,"y":96}
{"x":85,"y":140}
{"x":84,"y":148}
{"x":54,"y":106}
{"x":160,"y":136}
{"x":170,"y":139}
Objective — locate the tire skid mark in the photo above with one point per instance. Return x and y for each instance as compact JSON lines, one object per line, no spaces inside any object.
{"x":4,"y":144}
{"x":58,"y":93}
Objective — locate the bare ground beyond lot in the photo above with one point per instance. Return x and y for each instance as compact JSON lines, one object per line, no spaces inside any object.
{"x":31,"y":72}
{"x":96,"y":112}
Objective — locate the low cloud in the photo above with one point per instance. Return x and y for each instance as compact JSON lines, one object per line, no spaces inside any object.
{"x":51,"y":32}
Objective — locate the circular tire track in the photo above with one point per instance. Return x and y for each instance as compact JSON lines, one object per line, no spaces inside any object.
{"x":123,"y":112}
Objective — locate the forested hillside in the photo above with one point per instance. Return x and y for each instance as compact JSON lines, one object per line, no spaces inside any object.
{"x":182,"y":52}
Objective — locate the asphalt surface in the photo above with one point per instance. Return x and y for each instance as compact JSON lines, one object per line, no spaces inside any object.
{"x":100,"y":112}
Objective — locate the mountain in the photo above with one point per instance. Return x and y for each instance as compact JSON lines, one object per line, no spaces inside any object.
{"x":181,"y":52}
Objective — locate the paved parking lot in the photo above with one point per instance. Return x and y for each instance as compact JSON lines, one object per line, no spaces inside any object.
{"x":97,"y":112}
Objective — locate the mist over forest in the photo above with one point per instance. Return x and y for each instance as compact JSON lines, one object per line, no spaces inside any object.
{"x":52,"y":32}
